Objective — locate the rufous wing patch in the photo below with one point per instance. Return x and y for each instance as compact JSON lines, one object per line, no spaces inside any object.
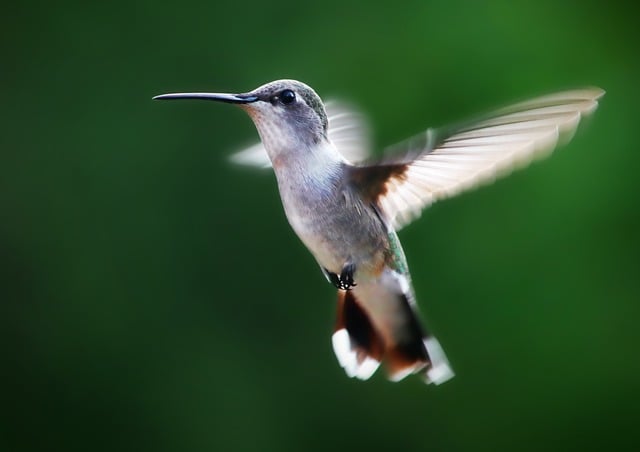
{"x":374,"y":181}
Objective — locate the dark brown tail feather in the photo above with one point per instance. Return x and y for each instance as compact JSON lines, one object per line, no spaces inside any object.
{"x":407,"y":352}
{"x":361,"y":332}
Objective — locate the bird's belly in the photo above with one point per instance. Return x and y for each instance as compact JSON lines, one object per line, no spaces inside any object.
{"x":321,"y":237}
{"x":336,"y":235}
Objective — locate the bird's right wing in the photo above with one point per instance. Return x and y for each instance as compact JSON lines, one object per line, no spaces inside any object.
{"x":436,"y":169}
{"x":348,"y":131}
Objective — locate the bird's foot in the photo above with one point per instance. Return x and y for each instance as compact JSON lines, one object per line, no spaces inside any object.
{"x":343,"y":281}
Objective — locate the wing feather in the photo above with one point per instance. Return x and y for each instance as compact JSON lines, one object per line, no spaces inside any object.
{"x":477,"y":154}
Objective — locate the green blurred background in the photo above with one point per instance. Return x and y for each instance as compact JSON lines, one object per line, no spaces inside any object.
{"x":143,"y":304}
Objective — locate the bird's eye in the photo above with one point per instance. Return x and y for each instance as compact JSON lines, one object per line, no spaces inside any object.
{"x":287,"y":97}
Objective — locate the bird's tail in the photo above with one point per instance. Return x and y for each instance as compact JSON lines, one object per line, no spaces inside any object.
{"x":377,"y":323}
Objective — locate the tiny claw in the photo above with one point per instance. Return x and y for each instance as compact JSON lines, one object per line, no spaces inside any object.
{"x":343,"y":281}
{"x":346,"y":276}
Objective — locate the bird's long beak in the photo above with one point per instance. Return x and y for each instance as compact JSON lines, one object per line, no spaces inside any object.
{"x":219,"y":97}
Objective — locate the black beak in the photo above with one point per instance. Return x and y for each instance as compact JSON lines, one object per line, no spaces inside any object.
{"x":227,"y":98}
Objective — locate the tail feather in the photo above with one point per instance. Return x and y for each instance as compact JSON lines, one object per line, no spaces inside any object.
{"x":431,"y":360}
{"x":357,"y":346}
{"x":440,"y":370}
{"x":378,"y":322}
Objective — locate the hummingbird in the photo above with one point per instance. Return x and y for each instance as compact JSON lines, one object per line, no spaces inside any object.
{"x":347,"y":207}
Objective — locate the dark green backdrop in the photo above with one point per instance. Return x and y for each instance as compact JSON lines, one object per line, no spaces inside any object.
{"x":154,"y":298}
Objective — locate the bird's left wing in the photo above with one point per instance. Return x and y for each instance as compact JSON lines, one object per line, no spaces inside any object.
{"x":348,"y":131}
{"x":510,"y":138}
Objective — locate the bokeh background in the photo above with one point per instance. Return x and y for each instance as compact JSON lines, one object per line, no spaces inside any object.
{"x":153,"y":296}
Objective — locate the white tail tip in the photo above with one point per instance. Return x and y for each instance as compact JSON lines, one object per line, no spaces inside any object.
{"x":440,"y":370}
{"x":348,"y":357}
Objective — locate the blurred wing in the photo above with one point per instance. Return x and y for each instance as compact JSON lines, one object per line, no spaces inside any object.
{"x":348,"y":131}
{"x":477,"y":154}
{"x":255,"y":155}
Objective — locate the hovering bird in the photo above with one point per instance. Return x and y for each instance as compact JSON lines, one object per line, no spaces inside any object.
{"x":346,"y":208}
